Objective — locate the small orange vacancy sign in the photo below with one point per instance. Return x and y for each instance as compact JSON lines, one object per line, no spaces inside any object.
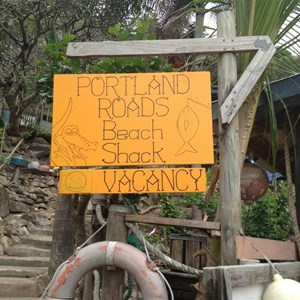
{"x":126,"y":181}
{"x":132,"y":119}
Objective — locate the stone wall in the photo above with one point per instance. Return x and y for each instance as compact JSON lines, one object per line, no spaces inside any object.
{"x":27,"y":204}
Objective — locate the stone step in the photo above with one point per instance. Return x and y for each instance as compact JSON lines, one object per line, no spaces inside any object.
{"x":21,"y":271}
{"x":20,"y":298}
{"x":30,"y":261}
{"x":24,"y":250}
{"x":48,"y":231}
{"x":40,"y":241}
{"x":18,"y":287}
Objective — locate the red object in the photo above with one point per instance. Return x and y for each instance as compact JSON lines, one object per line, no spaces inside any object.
{"x":175,"y":62}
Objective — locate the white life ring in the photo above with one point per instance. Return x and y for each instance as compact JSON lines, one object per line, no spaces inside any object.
{"x":107,"y":253}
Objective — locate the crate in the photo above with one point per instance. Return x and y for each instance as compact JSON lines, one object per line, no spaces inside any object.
{"x":183,"y":247}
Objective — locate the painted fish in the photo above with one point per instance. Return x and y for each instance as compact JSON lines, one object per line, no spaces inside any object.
{"x":187,"y":126}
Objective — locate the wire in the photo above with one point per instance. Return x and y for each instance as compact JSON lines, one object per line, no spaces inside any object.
{"x":146,"y":249}
{"x":157,"y":269}
{"x":259,"y":251}
{"x":84,"y":243}
{"x":166,"y":282}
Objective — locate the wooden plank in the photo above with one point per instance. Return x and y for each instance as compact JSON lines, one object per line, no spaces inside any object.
{"x":230,"y":195}
{"x":176,"y":250}
{"x":172,"y":222}
{"x":274,"y":250}
{"x":243,"y":275}
{"x":245,"y":84}
{"x":210,"y":283}
{"x":165,"y":47}
{"x":191,"y":247}
{"x":113,"y":278}
{"x":227,"y":280}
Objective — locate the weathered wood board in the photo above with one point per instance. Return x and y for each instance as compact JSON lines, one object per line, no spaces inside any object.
{"x":172,"y":222}
{"x":273,"y":249}
{"x":220,"y":281}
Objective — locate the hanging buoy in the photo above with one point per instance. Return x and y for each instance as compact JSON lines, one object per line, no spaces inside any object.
{"x":254,"y":182}
{"x":282,"y":289}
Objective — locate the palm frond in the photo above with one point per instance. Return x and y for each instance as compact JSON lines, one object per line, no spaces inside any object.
{"x":275,"y":18}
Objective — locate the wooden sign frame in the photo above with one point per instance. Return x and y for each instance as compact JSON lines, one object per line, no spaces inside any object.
{"x":262,"y":45}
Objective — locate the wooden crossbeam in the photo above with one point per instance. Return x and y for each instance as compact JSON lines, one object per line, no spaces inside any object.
{"x":261,"y":44}
{"x":172,"y":222}
{"x":165,"y":47}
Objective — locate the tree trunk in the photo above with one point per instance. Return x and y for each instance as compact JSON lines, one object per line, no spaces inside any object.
{"x":79,"y":218}
{"x":63,"y":233}
{"x":14,"y":122}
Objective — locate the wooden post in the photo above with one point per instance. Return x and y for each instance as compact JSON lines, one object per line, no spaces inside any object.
{"x":230,"y":199}
{"x":297,"y":172}
{"x":100,"y":236}
{"x":113,"y":278}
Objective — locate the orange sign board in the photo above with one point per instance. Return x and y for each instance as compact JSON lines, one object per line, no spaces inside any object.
{"x":132,"y":119}
{"x":126,"y":181}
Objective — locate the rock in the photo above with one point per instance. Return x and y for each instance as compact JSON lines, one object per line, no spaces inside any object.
{"x":39,"y":154}
{"x":42,"y":205}
{"x":22,"y":231}
{"x":15,"y":220}
{"x":39,"y":200}
{"x":29,"y":217}
{"x":30,"y":226}
{"x":1,"y":250}
{"x":40,"y":140}
{"x":53,"y":190}
{"x":40,"y":150}
{"x":2,"y":229}
{"x":19,"y":190}
{"x":42,"y":282}
{"x":5,"y":242}
{"x":33,"y":196}
{"x":40,"y":147}
{"x":27,"y":201}
{"x":4,"y":202}
{"x":41,"y":222}
{"x":12,"y":226}
{"x":18,"y":207}
{"x":15,"y":239}
{"x":14,"y":196}
{"x":51,"y":182}
{"x":3,"y":181}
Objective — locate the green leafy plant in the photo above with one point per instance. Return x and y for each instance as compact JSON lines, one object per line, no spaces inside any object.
{"x":59,"y":63}
{"x":269,"y":217}
{"x":170,"y":208}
